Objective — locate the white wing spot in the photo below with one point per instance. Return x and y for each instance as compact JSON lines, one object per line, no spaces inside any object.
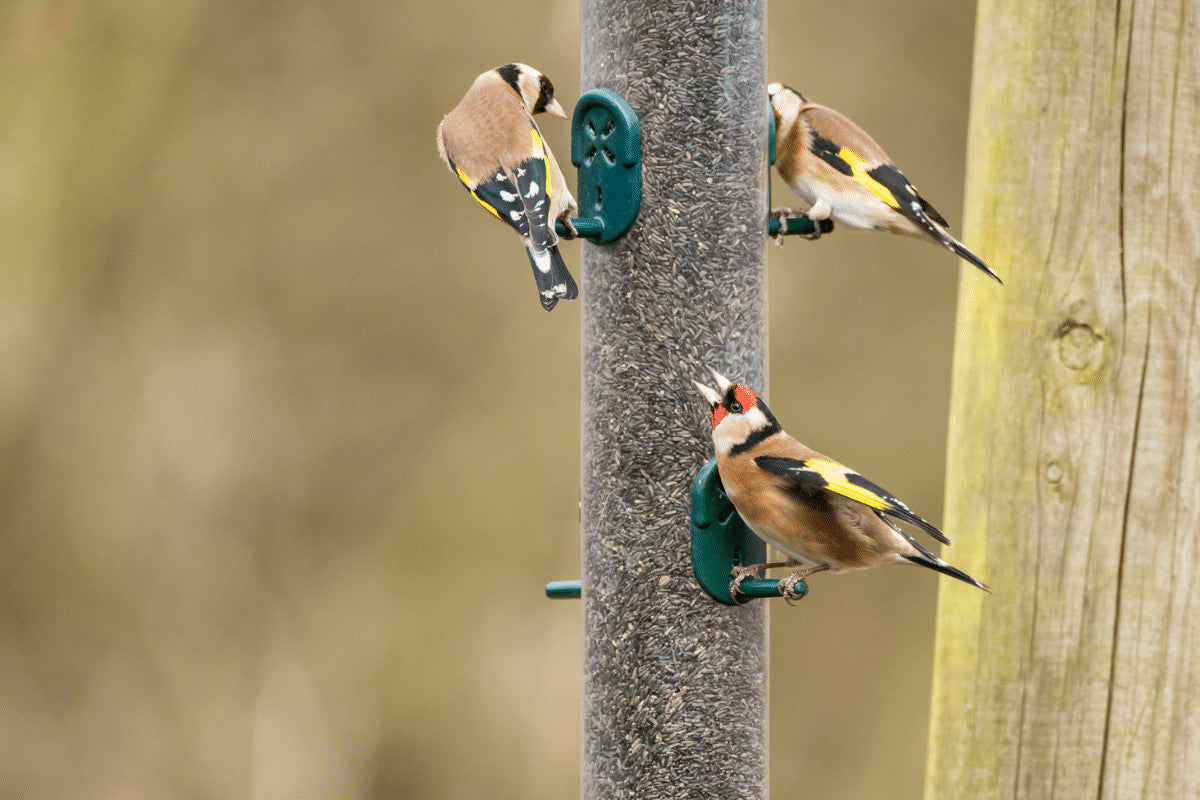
{"x":500,"y":176}
{"x":514,"y":215}
{"x":507,"y":197}
{"x":520,"y":172}
{"x":533,"y":190}
{"x":542,"y":261}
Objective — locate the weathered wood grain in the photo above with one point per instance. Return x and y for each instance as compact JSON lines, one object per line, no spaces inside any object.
{"x":1074,"y":455}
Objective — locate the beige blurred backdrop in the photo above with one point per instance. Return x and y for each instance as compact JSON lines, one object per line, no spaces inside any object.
{"x":289,"y":448}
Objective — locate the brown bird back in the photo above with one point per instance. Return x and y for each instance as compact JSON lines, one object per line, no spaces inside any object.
{"x":842,"y":131}
{"x":479,"y":151}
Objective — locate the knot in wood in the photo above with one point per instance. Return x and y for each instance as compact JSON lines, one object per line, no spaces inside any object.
{"x":1057,"y":475}
{"x":1082,"y":349}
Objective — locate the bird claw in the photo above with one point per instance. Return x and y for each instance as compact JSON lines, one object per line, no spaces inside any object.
{"x":787,"y":587}
{"x":781,"y":214}
{"x":816,"y":230}
{"x":740,"y":574}
{"x":784,"y":214}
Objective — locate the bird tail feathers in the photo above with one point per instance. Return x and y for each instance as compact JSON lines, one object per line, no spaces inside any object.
{"x":554,"y":281}
{"x":960,"y":250}
{"x":936,"y":564}
{"x":955,"y":246}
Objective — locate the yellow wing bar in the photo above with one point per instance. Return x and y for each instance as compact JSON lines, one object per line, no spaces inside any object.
{"x":848,"y":483}
{"x":859,"y":167}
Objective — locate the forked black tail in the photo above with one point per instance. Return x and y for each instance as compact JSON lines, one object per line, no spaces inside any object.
{"x":554,"y":281}
{"x":944,"y":568}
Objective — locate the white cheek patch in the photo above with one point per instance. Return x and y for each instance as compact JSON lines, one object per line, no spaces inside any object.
{"x":756,"y":418}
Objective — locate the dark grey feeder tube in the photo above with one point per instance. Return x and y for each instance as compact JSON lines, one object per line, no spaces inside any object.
{"x":674,"y":683}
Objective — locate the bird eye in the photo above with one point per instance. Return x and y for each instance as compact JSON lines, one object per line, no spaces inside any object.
{"x":735,"y":407}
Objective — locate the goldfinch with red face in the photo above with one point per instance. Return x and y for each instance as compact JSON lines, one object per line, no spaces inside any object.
{"x":845,"y":176}
{"x":491,"y":143}
{"x":823,"y":515}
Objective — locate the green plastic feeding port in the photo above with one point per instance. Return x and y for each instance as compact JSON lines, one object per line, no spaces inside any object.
{"x":721,"y":541}
{"x":795,"y":226}
{"x":606,"y":147}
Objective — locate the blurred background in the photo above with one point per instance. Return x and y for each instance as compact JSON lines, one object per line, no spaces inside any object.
{"x":289,"y":448}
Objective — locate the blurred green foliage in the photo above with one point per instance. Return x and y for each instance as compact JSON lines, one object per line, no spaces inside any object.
{"x":289,"y":448}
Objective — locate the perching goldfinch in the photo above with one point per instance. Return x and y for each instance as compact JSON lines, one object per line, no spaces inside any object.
{"x":845,"y":176}
{"x":823,"y":515}
{"x":491,"y":143}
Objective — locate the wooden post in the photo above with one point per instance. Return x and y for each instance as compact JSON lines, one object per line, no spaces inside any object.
{"x":674,"y":683}
{"x":1074,"y":458}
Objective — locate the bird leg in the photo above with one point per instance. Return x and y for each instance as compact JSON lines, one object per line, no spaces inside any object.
{"x":787,"y":586}
{"x":752,"y":571}
{"x":819,"y":211}
{"x":571,"y":232}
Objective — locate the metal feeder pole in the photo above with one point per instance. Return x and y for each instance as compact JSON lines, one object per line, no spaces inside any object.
{"x":674,"y":683}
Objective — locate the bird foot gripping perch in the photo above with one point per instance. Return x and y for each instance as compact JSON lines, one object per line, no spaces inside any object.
{"x":789,"y":222}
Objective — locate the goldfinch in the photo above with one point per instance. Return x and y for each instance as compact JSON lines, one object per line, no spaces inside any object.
{"x":823,"y":515}
{"x":845,"y":176}
{"x":491,"y":143}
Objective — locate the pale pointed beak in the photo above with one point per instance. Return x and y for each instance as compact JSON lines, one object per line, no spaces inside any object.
{"x":709,"y":394}
{"x":554,"y":108}
{"x":723,"y":383}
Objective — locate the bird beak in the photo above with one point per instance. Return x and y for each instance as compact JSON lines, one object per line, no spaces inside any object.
{"x":710,"y":394}
{"x":723,"y":383}
{"x":557,"y":110}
